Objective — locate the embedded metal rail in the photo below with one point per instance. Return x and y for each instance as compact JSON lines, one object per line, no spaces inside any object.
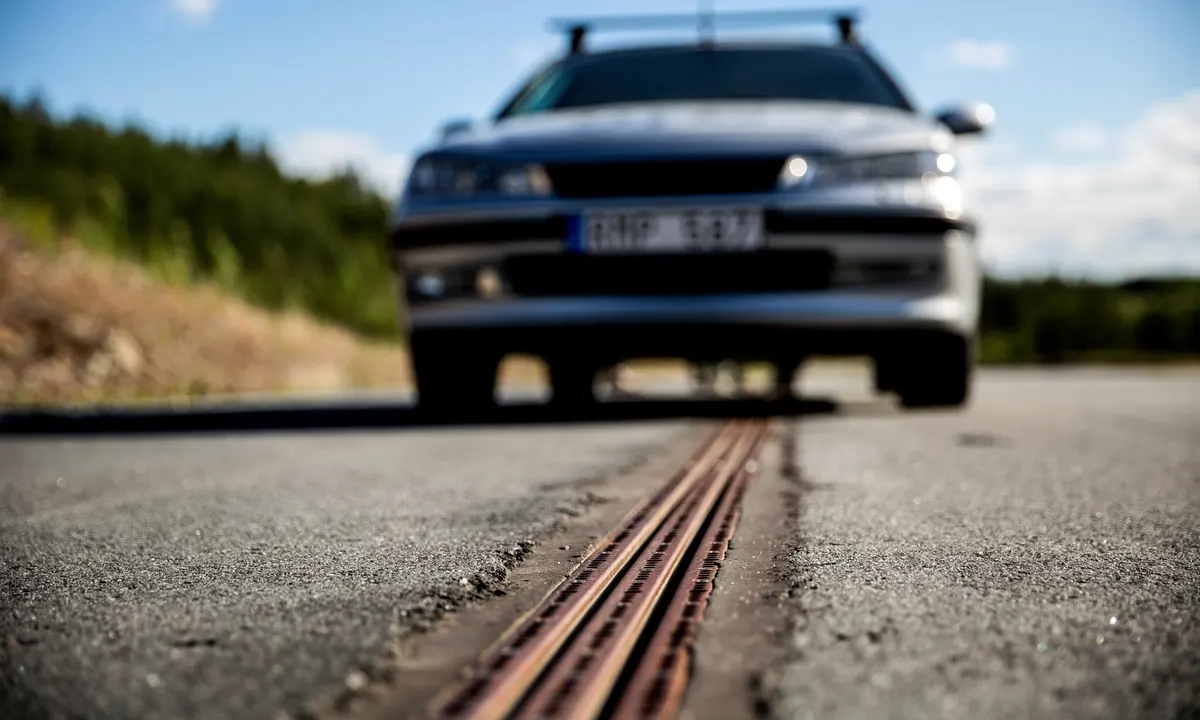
{"x":612,"y":640}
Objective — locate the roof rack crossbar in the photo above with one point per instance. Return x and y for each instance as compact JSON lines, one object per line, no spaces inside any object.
{"x":578,"y":28}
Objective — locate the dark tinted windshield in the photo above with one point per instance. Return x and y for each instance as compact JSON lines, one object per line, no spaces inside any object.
{"x":807,"y":73}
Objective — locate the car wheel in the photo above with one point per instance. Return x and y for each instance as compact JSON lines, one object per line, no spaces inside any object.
{"x":939,"y":377}
{"x":453,"y":377}
{"x":572,"y":382}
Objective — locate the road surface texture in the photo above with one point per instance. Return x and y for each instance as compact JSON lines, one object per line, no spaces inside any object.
{"x":233,"y":577}
{"x":1036,"y":556}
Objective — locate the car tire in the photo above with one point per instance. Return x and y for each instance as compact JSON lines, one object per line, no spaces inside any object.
{"x":572,"y":383}
{"x":940,"y":376}
{"x":452,"y":377}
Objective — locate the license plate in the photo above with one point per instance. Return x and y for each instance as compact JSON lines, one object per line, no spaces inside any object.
{"x":683,"y":231}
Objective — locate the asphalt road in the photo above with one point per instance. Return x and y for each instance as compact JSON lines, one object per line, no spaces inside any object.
{"x":928,"y":565}
{"x":234,"y":577}
{"x":1036,"y":557}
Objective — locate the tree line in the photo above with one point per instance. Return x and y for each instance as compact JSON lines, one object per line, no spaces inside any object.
{"x":1055,"y":320}
{"x":223,"y":211}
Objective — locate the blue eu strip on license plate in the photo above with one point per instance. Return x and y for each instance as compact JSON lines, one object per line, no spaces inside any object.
{"x":575,"y":234}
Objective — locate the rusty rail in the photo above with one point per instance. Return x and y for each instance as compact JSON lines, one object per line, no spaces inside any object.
{"x":613,"y":636}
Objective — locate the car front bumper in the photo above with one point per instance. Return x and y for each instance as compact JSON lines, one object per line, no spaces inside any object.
{"x":751,"y":326}
{"x":850,"y":309}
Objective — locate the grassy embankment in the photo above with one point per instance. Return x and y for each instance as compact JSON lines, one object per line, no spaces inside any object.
{"x":77,"y":325}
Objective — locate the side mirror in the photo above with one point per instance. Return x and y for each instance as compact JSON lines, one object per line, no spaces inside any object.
{"x":967,"y":119}
{"x":458,"y":126}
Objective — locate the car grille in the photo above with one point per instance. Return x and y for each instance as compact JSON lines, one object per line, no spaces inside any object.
{"x":575,"y":275}
{"x":663,"y":178}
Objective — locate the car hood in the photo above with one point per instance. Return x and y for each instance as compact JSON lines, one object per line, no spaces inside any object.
{"x":723,"y":128}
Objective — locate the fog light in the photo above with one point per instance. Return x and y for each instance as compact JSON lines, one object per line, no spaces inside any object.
{"x":487,"y":282}
{"x":795,"y":171}
{"x":430,"y":285}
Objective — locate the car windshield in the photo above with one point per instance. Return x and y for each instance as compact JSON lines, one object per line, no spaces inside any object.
{"x":807,"y":73}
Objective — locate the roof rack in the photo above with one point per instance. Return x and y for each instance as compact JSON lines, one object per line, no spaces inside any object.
{"x":577,"y":29}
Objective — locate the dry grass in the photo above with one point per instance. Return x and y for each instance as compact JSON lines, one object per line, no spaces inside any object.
{"x":77,"y":327}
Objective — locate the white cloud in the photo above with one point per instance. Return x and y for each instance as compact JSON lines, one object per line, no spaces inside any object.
{"x":321,"y":153}
{"x":978,"y":54}
{"x":1083,"y":138}
{"x":195,"y":11}
{"x":1134,"y":212}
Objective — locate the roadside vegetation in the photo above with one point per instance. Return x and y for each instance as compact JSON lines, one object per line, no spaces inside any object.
{"x":1051,"y":320}
{"x":78,"y":326}
{"x":221,"y":215}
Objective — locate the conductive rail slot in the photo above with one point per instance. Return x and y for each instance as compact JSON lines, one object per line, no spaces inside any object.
{"x":645,"y":586}
{"x":498,"y":682}
{"x":657,"y":689}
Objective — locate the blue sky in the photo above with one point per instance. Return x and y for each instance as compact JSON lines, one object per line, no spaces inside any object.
{"x":1086,"y":91}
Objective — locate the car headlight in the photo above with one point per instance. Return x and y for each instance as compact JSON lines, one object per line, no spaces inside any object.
{"x":466,"y":177}
{"x":803,"y":171}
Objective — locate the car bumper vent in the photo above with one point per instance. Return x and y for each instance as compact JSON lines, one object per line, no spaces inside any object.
{"x":575,"y":275}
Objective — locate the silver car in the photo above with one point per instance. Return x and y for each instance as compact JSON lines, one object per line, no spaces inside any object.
{"x":750,"y":201}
